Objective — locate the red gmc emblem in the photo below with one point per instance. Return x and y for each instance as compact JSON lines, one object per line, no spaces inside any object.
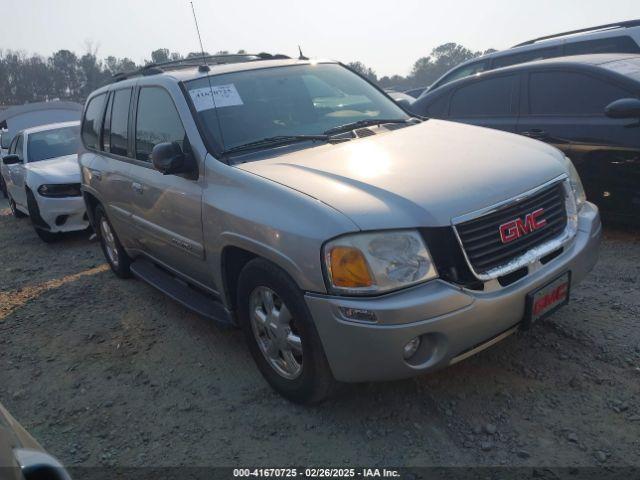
{"x":517,"y":228}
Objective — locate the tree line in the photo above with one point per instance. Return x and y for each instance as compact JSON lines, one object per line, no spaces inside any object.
{"x":67,"y":76}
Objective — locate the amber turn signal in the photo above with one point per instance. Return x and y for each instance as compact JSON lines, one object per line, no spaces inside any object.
{"x":349,"y":268}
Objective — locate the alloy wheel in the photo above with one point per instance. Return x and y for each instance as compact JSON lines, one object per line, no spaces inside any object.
{"x":274,"y":330}
{"x":109,"y":241}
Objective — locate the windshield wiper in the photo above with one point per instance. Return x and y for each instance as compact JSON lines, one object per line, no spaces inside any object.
{"x":364,"y":123}
{"x":277,"y":140}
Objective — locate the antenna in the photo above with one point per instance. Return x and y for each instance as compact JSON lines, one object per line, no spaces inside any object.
{"x":301,"y":57}
{"x":205,"y":67}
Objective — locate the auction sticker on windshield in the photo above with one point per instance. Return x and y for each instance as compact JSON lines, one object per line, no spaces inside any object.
{"x":216,"y":96}
{"x":547,"y":299}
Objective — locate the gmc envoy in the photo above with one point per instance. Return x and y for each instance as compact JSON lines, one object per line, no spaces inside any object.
{"x":348,"y":239}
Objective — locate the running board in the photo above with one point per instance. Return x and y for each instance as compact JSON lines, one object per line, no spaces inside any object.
{"x":181,"y":292}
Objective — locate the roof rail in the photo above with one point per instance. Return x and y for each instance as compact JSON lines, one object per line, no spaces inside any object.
{"x":196,"y":61}
{"x":608,"y":26}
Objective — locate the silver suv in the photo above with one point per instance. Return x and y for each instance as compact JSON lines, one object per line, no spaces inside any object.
{"x":349,"y":240}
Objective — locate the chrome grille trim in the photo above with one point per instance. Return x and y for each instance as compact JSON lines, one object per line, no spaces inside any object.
{"x":533,"y":255}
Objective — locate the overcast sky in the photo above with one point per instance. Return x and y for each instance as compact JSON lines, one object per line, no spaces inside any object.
{"x":386,"y":35}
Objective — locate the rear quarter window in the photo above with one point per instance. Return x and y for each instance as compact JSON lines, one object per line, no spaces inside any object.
{"x":623,"y":44}
{"x":92,"y":122}
{"x":528,"y":56}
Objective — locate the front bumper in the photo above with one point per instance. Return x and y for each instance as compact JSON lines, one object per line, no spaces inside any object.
{"x":453,"y":322}
{"x":65,"y":214}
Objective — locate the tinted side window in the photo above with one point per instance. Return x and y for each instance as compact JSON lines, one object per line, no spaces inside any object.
{"x":570,"y":93}
{"x":19,"y":149}
{"x":464,"y":71}
{"x":157,"y":122}
{"x":12,"y":146}
{"x":92,"y":122}
{"x":602,"y":45}
{"x":490,"y":97}
{"x":528,"y":56}
{"x":438,"y":107}
{"x":119,"y":137}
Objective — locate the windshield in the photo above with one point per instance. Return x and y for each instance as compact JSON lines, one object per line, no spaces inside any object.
{"x":252,"y":105}
{"x":53,"y":143}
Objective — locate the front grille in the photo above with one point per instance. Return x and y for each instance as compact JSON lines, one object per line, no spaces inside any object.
{"x":481,"y":239}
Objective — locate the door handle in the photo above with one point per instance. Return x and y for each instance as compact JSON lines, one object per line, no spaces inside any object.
{"x":137,"y":187}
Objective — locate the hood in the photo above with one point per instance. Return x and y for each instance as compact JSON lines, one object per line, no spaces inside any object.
{"x":423,"y":175}
{"x":59,"y":170}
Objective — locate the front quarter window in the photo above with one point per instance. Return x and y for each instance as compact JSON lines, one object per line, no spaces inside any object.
{"x":247,"y":106}
{"x":157,"y":122}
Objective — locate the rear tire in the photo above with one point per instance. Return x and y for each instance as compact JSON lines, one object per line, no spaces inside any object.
{"x":113,"y":251}
{"x":281,"y":335}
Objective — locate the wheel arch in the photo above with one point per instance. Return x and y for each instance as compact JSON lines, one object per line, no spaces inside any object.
{"x":91,"y":202}
{"x":237,"y":253}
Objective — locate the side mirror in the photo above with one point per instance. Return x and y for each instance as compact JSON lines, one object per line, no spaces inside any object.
{"x":11,"y":159}
{"x":169,"y":159}
{"x":623,"y":108}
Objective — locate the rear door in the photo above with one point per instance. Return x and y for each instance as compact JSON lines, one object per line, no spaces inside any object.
{"x":107,"y":172}
{"x":489,"y":102}
{"x":566,"y":109}
{"x":167,"y":209}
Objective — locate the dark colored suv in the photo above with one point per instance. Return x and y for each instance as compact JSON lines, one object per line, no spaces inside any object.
{"x":587,"y":106}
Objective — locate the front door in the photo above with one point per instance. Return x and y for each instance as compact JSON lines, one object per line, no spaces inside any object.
{"x":566,"y":110}
{"x":166,"y":209}
{"x":16,"y":175}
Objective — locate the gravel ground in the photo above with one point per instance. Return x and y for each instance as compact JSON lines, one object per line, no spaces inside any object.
{"x":110,"y":372}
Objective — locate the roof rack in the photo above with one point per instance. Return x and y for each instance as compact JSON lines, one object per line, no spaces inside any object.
{"x":200,"y":61}
{"x":608,"y":26}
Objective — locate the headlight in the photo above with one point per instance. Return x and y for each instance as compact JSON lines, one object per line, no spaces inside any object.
{"x":377,"y":262}
{"x":576,"y":183}
{"x":60,"y":190}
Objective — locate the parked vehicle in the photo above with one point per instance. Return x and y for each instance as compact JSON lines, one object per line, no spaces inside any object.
{"x":42,"y":176}
{"x":401,"y":99}
{"x":21,"y":117}
{"x":348,"y":240}
{"x":619,"y":37}
{"x":416,"y":92}
{"x":22,"y":457}
{"x":587,"y":106}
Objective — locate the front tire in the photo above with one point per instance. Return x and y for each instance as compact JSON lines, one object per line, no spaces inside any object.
{"x":3,"y":187}
{"x":14,"y":209}
{"x":281,"y":335}
{"x":113,"y":251}
{"x":46,"y":236}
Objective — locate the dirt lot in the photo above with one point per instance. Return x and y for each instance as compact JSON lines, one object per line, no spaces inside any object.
{"x":110,"y":372}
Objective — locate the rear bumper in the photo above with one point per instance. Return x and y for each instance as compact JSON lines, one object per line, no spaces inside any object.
{"x":63,"y":214}
{"x":453,"y":323}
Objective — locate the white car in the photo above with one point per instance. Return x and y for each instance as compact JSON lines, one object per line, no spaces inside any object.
{"x":42,"y":178}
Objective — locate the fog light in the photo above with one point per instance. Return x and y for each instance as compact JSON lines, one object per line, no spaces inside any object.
{"x":411,"y":348}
